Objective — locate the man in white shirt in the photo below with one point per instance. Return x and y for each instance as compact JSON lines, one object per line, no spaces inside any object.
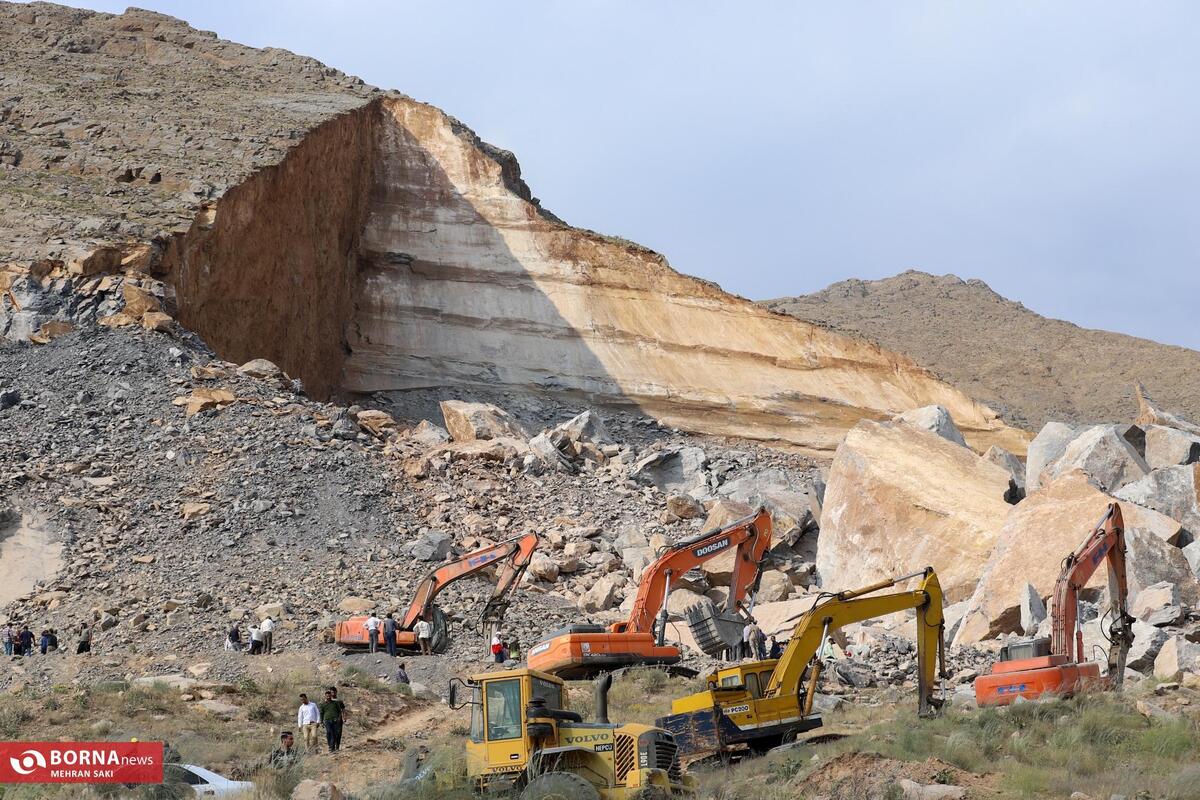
{"x":372,"y":625}
{"x":268,"y":633}
{"x":424,"y":633}
{"x":308,"y":720}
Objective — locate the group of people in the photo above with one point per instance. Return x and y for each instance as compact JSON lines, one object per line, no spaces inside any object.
{"x":757,"y":645}
{"x":21,"y":641}
{"x":330,"y":714}
{"x":261,"y":636}
{"x":387,"y":628}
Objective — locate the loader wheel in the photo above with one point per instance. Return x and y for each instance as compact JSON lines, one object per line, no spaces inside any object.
{"x":441,"y":632}
{"x":559,"y":786}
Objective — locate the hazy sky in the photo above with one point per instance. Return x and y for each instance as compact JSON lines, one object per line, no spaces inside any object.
{"x":1052,"y":150}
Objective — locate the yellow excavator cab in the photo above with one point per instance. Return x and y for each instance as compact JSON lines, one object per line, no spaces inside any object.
{"x":524,"y":740}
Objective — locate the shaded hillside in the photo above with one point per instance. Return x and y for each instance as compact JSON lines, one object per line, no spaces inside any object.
{"x":1024,"y":365}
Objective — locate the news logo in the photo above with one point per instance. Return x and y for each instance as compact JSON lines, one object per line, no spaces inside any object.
{"x":81,"y":762}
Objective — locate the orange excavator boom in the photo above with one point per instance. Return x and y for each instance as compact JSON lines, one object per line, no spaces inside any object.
{"x":1035,"y":667}
{"x":514,"y":554}
{"x":583,"y":651}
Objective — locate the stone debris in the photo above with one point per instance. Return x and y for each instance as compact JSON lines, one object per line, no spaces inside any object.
{"x":1104,"y":455}
{"x":1046,"y":448}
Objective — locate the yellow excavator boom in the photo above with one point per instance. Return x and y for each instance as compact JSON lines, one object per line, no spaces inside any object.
{"x":761,"y":704}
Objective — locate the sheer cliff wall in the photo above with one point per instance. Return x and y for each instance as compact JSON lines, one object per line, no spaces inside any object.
{"x":392,"y":250}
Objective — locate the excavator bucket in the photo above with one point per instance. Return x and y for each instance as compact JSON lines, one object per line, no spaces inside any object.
{"x":713,"y":631}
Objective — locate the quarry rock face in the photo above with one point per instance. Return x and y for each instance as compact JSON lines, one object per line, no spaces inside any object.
{"x":899,"y":499}
{"x":365,"y":242}
{"x":1044,"y":529}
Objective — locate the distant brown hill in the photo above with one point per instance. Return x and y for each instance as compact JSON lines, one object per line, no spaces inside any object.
{"x":1026,"y":366}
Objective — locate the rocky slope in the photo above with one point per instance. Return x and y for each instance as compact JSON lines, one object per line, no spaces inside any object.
{"x":366,"y":242}
{"x":1030,"y":368}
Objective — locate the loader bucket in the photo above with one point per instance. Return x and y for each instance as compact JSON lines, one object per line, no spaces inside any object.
{"x":714,"y":633}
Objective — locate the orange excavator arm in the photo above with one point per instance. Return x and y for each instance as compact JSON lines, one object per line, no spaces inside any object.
{"x":1106,"y":542}
{"x":749,"y":536}
{"x":515,"y":553}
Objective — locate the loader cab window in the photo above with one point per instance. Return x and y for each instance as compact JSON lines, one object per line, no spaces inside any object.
{"x":731,"y":680}
{"x":752,"y":685}
{"x":476,"y":714}
{"x":548,"y":691}
{"x":503,"y":709}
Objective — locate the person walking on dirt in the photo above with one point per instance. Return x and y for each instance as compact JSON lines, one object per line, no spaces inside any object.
{"x":389,"y":634}
{"x":268,"y":635}
{"x":85,"y":639}
{"x":308,"y":717}
{"x":372,"y":626}
{"x":9,"y":636}
{"x":333,"y":714}
{"x":424,"y":633}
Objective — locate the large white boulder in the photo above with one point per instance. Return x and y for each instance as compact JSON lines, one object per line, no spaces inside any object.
{"x":1045,"y":527}
{"x":1104,"y":454}
{"x":1007,"y":461}
{"x":1176,"y":657}
{"x":1044,"y":450}
{"x":898,"y":500}
{"x":1174,"y":491}
{"x":1169,"y":447}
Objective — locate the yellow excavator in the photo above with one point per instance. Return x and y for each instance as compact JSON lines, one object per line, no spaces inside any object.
{"x":759,"y":705}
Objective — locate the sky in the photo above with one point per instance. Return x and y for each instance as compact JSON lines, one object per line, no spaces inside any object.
{"x":775,"y":148}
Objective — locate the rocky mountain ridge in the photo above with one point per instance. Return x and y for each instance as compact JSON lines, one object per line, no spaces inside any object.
{"x":1031,"y":368}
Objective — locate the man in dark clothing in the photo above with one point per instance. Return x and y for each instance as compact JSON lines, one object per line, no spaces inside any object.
{"x":285,"y":755}
{"x":389,"y":634}
{"x":26,"y":639}
{"x":402,"y":674}
{"x":45,"y":643}
{"x":333,"y":715}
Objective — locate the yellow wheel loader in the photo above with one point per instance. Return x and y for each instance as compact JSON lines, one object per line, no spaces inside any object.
{"x":758,"y":705}
{"x":524,"y":741}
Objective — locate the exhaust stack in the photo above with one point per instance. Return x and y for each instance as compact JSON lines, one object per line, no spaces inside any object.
{"x":603,"y":684}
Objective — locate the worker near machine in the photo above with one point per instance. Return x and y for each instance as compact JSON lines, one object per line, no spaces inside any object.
{"x":828,"y":654}
{"x":424,"y":631}
{"x":389,"y":634}
{"x":372,"y":626}
{"x":497,"y":648}
{"x":308,"y":717}
{"x":514,"y":649}
{"x":774,"y":649}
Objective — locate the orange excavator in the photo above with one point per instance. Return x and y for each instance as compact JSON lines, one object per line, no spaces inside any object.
{"x":1033,"y":667}
{"x":515,"y":555}
{"x":584,"y":651}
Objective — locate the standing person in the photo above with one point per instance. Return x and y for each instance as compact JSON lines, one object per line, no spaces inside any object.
{"x":389,"y":634}
{"x":333,"y":714}
{"x":9,"y":635}
{"x":256,"y":640}
{"x":402,"y":675}
{"x":44,"y":642}
{"x":53,"y":640}
{"x":25,"y":641}
{"x":268,"y":633}
{"x":372,"y":626}
{"x":514,"y":649}
{"x":424,"y":633}
{"x":828,"y":655}
{"x":85,"y":639}
{"x":760,"y":643}
{"x":308,"y":717}
{"x":497,"y":648}
{"x":774,"y":649}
